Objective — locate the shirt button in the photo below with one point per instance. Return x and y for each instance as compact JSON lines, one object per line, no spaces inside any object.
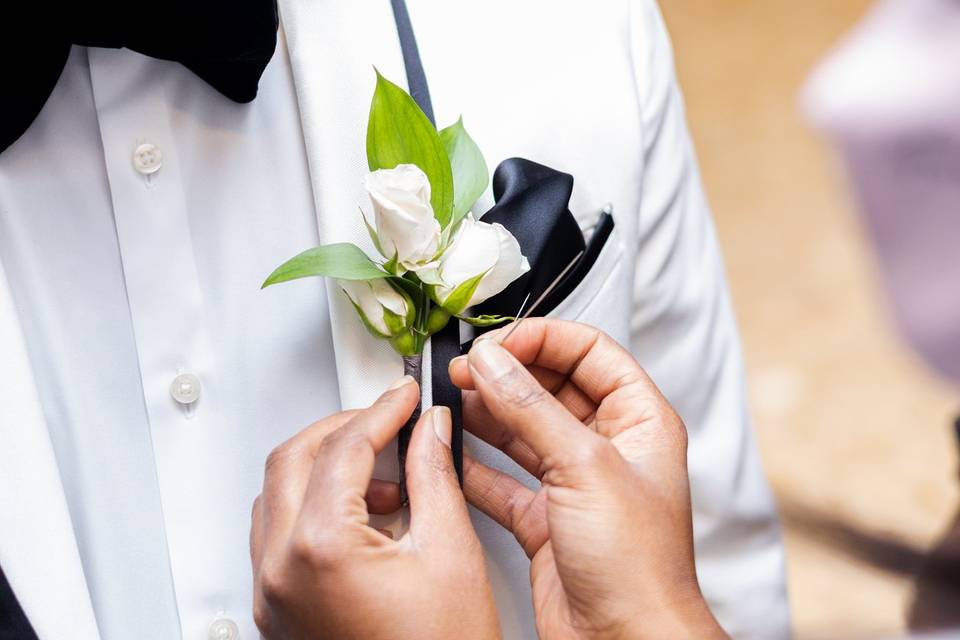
{"x":185,"y":388}
{"x":223,"y":629}
{"x":147,"y":159}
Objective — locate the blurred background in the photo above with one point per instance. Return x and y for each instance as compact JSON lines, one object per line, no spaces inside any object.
{"x":855,"y":428}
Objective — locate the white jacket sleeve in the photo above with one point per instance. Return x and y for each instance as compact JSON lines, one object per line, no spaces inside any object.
{"x":683,"y":332}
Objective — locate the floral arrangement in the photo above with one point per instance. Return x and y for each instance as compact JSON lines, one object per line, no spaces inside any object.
{"x":436,"y":260}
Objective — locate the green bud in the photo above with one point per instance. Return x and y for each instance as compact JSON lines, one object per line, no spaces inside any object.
{"x":437,"y":319}
{"x":405,"y":344}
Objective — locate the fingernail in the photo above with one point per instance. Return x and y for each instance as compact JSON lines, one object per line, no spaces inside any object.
{"x":458,"y":359}
{"x":400,"y":382}
{"x":491,"y":360}
{"x":442,"y":426}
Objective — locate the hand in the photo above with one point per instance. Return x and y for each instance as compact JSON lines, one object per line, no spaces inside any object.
{"x":320,"y":570}
{"x":609,"y":533}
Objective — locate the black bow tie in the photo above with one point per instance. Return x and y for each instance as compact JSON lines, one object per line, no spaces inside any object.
{"x":227,"y":43}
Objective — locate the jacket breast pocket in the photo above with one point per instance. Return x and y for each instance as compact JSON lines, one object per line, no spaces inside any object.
{"x":606,"y":244}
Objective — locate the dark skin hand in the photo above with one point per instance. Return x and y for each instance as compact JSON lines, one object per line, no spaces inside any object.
{"x":321,"y":571}
{"x":609,"y":532}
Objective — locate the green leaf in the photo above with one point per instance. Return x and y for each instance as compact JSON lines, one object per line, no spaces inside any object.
{"x":373,"y":234}
{"x":412,"y":295}
{"x":343,"y":260}
{"x":459,"y":298}
{"x":398,"y":132}
{"x":394,"y":321}
{"x":486,"y":320}
{"x":391,"y":265}
{"x":470,"y":175}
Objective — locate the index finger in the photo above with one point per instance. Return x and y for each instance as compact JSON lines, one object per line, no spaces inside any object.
{"x":592,"y":360}
{"x":518,"y":402}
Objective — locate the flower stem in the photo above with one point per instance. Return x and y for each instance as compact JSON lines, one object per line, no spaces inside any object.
{"x":412,"y":366}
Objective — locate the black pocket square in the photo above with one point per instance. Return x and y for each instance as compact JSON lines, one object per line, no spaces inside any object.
{"x":533,"y":203}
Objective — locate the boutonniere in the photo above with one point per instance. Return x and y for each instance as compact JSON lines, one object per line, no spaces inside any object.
{"x":435,"y":260}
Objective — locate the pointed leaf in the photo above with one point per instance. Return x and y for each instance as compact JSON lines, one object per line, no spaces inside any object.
{"x":398,"y":132}
{"x":394,"y":321}
{"x":342,"y":260}
{"x":459,"y":298}
{"x":470,"y":175}
{"x":486,"y":320}
{"x":373,"y":234}
{"x":391,"y":265}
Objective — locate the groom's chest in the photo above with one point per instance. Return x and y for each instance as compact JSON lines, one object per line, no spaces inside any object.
{"x":125,"y":278}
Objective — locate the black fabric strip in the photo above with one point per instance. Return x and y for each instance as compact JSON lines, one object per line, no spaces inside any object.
{"x":445,"y":344}
{"x":13,"y":622}
{"x":227,"y":43}
{"x":416,"y":78}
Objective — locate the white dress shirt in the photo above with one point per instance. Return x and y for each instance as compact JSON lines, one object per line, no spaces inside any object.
{"x":140,"y":214}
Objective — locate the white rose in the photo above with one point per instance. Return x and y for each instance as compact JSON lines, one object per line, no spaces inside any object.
{"x":384,"y":310}
{"x":405,"y":224}
{"x":477,"y":248}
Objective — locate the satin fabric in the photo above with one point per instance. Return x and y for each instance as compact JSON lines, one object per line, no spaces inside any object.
{"x":533,"y":203}
{"x":227,"y":43}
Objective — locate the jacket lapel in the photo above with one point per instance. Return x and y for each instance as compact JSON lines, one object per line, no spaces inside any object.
{"x":38,"y":551}
{"x":333,"y":49}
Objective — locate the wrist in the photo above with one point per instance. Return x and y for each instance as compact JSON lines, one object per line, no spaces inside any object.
{"x":690,"y":620}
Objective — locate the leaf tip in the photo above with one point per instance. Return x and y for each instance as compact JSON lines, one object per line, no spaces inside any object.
{"x":271,"y":279}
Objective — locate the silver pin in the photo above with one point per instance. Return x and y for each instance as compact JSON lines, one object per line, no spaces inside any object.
{"x":541,"y":298}
{"x":522,"y":305}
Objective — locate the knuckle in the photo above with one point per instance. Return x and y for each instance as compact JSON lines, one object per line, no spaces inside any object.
{"x":518,"y":390}
{"x":432,"y":463}
{"x":319,"y":552}
{"x":271,"y":586}
{"x":595,"y":453}
{"x":341,"y":438}
{"x":277,"y":457}
{"x":261,"y":616}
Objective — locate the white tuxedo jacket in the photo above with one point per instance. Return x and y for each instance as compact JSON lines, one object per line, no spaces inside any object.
{"x":586,"y":88}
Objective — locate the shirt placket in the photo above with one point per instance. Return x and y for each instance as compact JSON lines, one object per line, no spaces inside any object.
{"x":173,"y":344}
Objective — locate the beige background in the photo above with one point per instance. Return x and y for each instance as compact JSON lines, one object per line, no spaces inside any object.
{"x":854,"y":430}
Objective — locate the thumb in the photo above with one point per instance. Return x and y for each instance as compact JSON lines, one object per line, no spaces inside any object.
{"x":438,"y":509}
